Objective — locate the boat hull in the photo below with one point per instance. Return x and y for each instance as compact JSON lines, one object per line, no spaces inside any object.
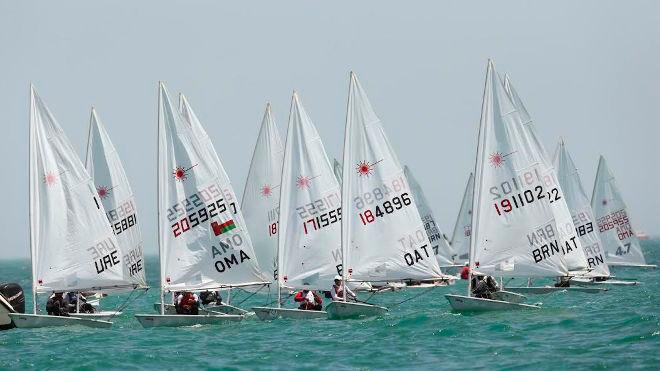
{"x":508,"y":296}
{"x":348,"y":310}
{"x":208,"y":310}
{"x":612,"y":282}
{"x":269,"y":314}
{"x":38,"y":320}
{"x":181,"y":320}
{"x":460,"y":303}
{"x":624,"y":265}
{"x":102,"y":315}
{"x":540,"y":290}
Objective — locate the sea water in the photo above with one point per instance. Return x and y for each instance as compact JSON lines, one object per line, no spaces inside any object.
{"x":619,"y":329}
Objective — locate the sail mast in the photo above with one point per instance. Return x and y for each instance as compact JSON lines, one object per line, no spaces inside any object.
{"x":159,"y":231}
{"x":477,"y":172}
{"x":32,"y":179}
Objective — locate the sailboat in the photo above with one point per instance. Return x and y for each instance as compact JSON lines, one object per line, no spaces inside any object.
{"x":103,"y":164}
{"x":460,"y":238}
{"x":621,"y":245}
{"x":309,"y":245}
{"x":202,"y":239}
{"x":383,"y":236}
{"x":577,"y":261}
{"x":73,"y":248}
{"x":521,"y":226}
{"x":261,"y":197}
{"x":446,"y":256}
{"x":583,"y":217}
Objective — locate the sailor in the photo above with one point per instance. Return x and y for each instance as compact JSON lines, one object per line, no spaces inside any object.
{"x":491,"y":284}
{"x":71,"y":300}
{"x":465,"y":272}
{"x":309,"y":300}
{"x":55,"y":305}
{"x":210,"y":297}
{"x":563,"y":282}
{"x":479,"y":287}
{"x":187,"y":303}
{"x":338,"y":290}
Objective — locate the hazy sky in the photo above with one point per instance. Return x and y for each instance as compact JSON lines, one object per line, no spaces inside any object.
{"x":586,"y":70}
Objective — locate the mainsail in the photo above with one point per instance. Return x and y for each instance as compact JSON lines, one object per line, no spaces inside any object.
{"x":441,"y":249}
{"x":261,"y":197}
{"x":521,"y":225}
{"x":72,"y":245}
{"x":203,"y":239}
{"x":580,"y":207}
{"x":575,"y":260}
{"x":460,"y":239}
{"x":383,"y":237}
{"x":114,"y":191}
{"x":309,"y":247}
{"x":613,"y":220}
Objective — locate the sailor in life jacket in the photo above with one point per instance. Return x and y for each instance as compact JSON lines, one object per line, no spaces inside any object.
{"x":309,"y":300}
{"x":338,"y":290}
{"x":187,"y":303}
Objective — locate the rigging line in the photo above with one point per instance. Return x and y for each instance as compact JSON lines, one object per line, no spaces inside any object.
{"x":251,"y":295}
{"x":275,"y":301}
{"x":127,"y":301}
{"x":414,"y":297}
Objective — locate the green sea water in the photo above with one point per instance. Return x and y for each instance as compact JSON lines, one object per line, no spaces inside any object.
{"x":619,"y":329}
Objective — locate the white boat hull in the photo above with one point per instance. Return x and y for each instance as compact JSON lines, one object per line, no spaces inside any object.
{"x":624,"y":265}
{"x":346,"y":310}
{"x":102,"y":315}
{"x":269,"y":314}
{"x":180,"y":320}
{"x":610,"y":282}
{"x":508,"y":296}
{"x":38,"y":320}
{"x":540,"y":290}
{"x":462,"y":303}
{"x":208,"y":310}
{"x":5,"y":309}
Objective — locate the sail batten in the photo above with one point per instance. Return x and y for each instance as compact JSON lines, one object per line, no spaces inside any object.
{"x":383,"y":237}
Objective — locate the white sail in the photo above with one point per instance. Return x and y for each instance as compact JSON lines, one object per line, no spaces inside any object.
{"x":440,"y":246}
{"x":576,"y":260}
{"x":72,"y":245}
{"x":104,"y":166}
{"x":460,"y":239}
{"x":337,"y":169}
{"x":613,"y":220}
{"x":521,"y":225}
{"x":581,"y":212}
{"x":383,"y":237}
{"x":261,"y":197}
{"x":309,"y":250}
{"x":203,"y":239}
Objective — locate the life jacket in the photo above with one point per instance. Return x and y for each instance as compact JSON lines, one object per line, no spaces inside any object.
{"x":465,"y":273}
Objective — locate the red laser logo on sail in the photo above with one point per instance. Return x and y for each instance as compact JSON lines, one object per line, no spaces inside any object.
{"x":496,"y":159}
{"x":180,"y":173}
{"x":266,"y":191}
{"x":364,"y":168}
{"x":303,"y":182}
{"x":103,"y":191}
{"x":50,"y":178}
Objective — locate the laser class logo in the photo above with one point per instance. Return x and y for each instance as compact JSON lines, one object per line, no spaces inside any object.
{"x":304,"y":182}
{"x":267,"y":190}
{"x":103,"y":191}
{"x":180,"y":173}
{"x":496,"y":159}
{"x":365,"y":168}
{"x":50,"y":178}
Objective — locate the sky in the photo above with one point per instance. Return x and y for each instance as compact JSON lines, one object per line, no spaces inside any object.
{"x":586,"y":70}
